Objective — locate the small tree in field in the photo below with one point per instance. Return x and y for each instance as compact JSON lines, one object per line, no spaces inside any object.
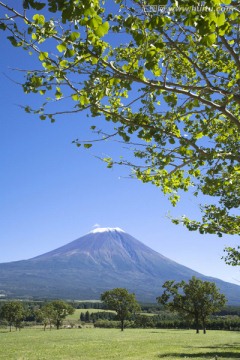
{"x":121,"y":301}
{"x":87,"y":316}
{"x":45,"y":315}
{"x":195,"y":300}
{"x":13,"y":313}
{"x":55,"y":312}
{"x":60,"y":311}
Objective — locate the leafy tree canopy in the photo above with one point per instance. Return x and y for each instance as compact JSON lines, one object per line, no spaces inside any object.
{"x":122,"y":302}
{"x":165,"y":74}
{"x":195,"y":300}
{"x":60,"y":310}
{"x":13,"y":312}
{"x":233,"y":256}
{"x":55,"y":312}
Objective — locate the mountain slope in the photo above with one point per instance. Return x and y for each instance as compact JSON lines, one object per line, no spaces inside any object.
{"x":103,"y":259}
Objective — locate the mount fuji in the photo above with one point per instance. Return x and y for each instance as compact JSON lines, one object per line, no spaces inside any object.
{"x":103,"y":259}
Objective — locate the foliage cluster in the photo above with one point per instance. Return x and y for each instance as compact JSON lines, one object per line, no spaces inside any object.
{"x":121,"y":301}
{"x":54,"y":312}
{"x":168,"y":83}
{"x":13,"y":313}
{"x":194,"y":301}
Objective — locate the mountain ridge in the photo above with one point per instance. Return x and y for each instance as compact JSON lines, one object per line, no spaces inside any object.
{"x":100,"y":260}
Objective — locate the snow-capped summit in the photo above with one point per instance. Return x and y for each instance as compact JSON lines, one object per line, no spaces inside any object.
{"x":101,"y":230}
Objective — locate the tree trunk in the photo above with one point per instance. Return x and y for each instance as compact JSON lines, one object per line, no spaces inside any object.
{"x":204,"y":325}
{"x":122,"y":325}
{"x":197,"y":326}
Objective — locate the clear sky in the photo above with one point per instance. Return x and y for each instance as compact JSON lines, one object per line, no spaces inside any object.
{"x":52,"y":192}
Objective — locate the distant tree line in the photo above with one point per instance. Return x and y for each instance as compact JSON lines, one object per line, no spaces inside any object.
{"x":16,"y":313}
{"x":88,"y":305}
{"x":19,"y":314}
{"x":163,"y":320}
{"x":230,"y":323}
{"x":94,"y":316}
{"x":195,"y":304}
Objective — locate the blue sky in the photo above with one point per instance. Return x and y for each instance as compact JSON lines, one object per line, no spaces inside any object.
{"x":53,"y":192}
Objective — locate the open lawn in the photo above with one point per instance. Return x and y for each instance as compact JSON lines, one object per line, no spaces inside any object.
{"x":132,"y":344}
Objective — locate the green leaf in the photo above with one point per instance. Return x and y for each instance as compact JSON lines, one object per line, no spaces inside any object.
{"x":102,"y":29}
{"x":209,"y":39}
{"x":64,"y":63}
{"x":36,"y":81}
{"x":199,"y":135}
{"x":43,"y":56}
{"x":87,"y":146}
{"x":212,"y":17}
{"x":38,"y":5}
{"x":13,"y":41}
{"x":27,"y":109}
{"x":94,"y":22}
{"x":58,"y":93}
{"x":221,"y":19}
{"x":94,"y":60}
{"x":157,"y":71}
{"x":62,"y":47}
{"x":75,"y":97}
{"x":39,"y":19}
{"x":27,"y":4}
{"x":74,"y":36}
{"x":83,"y":99}
{"x":70,"y":53}
{"x":3,"y":26}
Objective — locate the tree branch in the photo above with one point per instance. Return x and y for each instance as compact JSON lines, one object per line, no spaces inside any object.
{"x":231,"y":51}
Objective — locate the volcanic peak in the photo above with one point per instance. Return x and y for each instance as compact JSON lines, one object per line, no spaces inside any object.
{"x":108,"y":229}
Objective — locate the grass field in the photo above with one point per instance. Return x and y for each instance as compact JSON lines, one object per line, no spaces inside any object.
{"x":131,"y":344}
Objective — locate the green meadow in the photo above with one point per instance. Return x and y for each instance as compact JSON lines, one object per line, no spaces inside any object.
{"x":131,"y":344}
